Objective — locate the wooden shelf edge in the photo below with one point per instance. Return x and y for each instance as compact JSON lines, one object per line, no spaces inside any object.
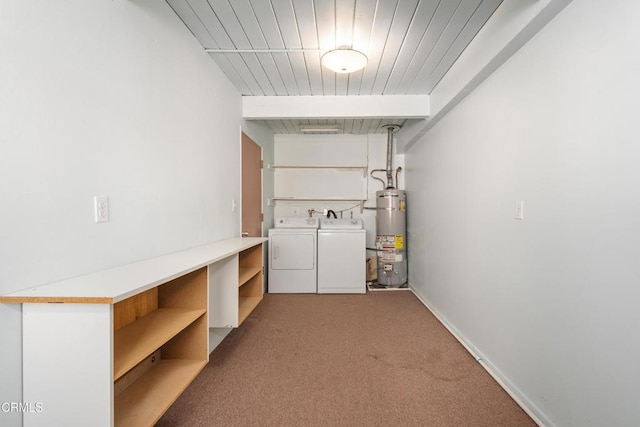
{"x":55,"y":300}
{"x":139,"y":339}
{"x":246,"y":306}
{"x":144,"y":401}
{"x":246,"y":273}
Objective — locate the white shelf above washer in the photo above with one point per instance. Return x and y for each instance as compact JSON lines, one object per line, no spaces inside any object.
{"x":339,"y":167}
{"x":319,"y":199}
{"x":346,"y":168}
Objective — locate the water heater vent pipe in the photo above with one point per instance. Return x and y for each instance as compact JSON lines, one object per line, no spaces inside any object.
{"x":389,"y":169}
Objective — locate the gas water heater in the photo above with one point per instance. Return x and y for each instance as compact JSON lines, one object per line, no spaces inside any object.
{"x":391,"y":226}
{"x":391,"y":230}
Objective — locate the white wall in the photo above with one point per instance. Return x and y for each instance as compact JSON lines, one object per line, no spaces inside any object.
{"x":550,"y":303}
{"x":110,"y":98}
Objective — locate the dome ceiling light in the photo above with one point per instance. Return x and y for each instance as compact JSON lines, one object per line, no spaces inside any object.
{"x":344,"y":60}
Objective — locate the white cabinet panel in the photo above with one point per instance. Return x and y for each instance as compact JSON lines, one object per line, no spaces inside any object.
{"x":55,"y":337}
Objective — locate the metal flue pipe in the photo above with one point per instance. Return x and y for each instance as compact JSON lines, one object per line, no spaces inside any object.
{"x":389,"y":170}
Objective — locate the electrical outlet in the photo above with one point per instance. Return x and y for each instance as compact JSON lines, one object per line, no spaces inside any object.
{"x":101,"y":208}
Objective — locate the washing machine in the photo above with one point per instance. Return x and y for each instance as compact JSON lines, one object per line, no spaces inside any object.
{"x":293,"y":256}
{"x":341,"y":256}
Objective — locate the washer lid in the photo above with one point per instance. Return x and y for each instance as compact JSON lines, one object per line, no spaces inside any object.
{"x":341,"y":224}
{"x":296,"y":223}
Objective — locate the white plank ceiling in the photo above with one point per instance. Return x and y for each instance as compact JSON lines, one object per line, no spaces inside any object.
{"x":273,"y":47}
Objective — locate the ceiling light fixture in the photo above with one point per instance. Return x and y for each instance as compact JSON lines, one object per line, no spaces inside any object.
{"x":344,"y":60}
{"x":320,"y":129}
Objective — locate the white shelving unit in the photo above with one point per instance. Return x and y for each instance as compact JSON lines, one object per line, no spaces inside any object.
{"x":119,"y":346}
{"x":337,"y":168}
{"x":310,"y":184}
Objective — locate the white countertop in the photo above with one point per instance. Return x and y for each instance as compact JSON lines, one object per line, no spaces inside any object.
{"x":118,"y":283}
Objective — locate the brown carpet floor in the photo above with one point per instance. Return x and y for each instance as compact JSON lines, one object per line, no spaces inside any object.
{"x":380,"y":359}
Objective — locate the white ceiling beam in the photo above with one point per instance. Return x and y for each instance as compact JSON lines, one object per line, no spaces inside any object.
{"x":335,"y":107}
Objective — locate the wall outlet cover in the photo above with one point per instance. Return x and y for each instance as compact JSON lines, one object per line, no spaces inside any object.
{"x":101,"y":208}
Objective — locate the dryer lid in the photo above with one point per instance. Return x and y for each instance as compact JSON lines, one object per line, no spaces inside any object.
{"x":341,"y":224}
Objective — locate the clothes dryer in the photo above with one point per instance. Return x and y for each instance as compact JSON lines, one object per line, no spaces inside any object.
{"x":293,"y":256}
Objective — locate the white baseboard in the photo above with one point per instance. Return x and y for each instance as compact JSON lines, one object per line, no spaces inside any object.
{"x":526,"y":405}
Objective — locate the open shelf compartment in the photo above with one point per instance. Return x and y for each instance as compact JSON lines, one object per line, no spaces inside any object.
{"x":250,"y":281}
{"x":247,"y":273}
{"x":145,"y":400}
{"x":134,"y":342}
{"x":160,"y":345}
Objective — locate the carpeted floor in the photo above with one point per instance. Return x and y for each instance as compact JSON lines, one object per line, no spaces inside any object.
{"x":380,"y":359}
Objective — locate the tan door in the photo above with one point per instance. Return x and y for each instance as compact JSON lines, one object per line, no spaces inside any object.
{"x":251,"y":188}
